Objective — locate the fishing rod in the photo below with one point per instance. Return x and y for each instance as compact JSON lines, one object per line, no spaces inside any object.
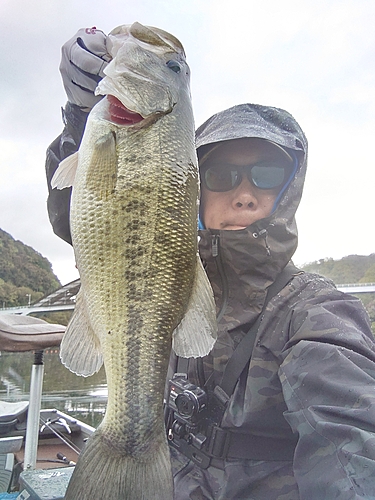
{"x":47,"y":424}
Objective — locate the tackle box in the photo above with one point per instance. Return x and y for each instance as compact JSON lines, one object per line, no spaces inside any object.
{"x":46,"y":484}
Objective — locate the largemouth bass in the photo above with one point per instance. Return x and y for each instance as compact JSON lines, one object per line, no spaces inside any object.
{"x":133,"y":221}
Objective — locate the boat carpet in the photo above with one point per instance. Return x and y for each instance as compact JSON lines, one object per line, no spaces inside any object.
{"x":47,"y":455}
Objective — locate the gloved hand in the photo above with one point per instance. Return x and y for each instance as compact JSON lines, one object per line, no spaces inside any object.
{"x":83,"y":60}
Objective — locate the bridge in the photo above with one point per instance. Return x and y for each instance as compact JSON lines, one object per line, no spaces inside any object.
{"x":64,"y":299}
{"x":357,"y":288}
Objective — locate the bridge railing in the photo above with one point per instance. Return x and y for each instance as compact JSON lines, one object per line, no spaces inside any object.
{"x":66,"y":304}
{"x":350,"y":285}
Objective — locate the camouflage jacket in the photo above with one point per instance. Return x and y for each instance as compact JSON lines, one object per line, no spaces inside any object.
{"x":310,"y":384}
{"x":309,"y":390}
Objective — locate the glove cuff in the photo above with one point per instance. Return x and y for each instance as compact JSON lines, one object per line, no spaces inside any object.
{"x":74,"y":119}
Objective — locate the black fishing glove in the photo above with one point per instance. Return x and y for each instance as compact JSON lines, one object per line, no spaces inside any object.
{"x":83,"y":59}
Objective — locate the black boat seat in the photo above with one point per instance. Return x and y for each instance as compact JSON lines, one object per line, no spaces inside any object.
{"x":19,"y":333}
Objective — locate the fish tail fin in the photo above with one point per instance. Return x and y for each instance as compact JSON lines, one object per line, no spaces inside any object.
{"x":102,"y":472}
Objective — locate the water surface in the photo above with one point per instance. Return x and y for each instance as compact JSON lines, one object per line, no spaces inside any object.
{"x":84,"y":398}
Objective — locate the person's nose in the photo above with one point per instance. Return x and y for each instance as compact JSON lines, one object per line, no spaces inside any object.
{"x":244,"y":196}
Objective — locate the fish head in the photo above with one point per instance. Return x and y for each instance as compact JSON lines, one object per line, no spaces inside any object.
{"x":147,"y":76}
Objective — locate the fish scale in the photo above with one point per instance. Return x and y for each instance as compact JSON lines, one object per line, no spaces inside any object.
{"x":143,"y":289}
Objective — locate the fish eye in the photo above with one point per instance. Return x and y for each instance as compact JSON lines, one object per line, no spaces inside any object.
{"x":174,"y":66}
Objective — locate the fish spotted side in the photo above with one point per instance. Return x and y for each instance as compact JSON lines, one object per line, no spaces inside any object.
{"x":133,"y":220}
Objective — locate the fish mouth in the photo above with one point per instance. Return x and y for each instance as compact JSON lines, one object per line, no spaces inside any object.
{"x":120,"y":114}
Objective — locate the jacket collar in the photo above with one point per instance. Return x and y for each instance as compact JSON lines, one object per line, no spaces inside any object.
{"x":242,"y":264}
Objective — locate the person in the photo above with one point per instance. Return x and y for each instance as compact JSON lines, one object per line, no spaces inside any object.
{"x":298,"y":421}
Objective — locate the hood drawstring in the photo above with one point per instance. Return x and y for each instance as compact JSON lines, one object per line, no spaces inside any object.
{"x":263,"y":233}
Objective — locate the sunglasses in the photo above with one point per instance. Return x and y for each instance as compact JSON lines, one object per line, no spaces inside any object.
{"x":263,"y":175}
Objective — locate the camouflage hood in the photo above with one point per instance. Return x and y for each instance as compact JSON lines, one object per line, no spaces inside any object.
{"x":249,"y":260}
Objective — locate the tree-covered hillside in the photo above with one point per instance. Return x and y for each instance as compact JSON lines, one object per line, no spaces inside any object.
{"x":24,"y":273}
{"x":350,"y":269}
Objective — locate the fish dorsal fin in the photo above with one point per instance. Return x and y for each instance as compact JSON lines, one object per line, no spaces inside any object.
{"x":196,"y":334}
{"x":80,"y":348}
{"x":65,"y":172}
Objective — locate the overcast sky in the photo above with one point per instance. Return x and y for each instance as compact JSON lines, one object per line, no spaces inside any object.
{"x":314,"y":58}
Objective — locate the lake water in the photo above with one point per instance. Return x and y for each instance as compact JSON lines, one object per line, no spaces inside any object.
{"x":82,"y":398}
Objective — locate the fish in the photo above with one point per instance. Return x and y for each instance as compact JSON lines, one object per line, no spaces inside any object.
{"x":144,"y":291}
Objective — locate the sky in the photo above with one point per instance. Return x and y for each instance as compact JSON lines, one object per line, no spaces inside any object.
{"x":312,"y":58}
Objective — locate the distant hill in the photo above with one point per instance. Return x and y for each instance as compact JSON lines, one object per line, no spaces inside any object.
{"x":23,"y":272}
{"x":350,"y":269}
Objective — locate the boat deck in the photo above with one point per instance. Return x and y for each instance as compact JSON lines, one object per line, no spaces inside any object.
{"x":60,"y":440}
{"x":47,"y":454}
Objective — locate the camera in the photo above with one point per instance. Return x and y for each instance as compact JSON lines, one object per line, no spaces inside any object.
{"x":193,"y":417}
{"x":188,"y":401}
{"x":187,"y":410}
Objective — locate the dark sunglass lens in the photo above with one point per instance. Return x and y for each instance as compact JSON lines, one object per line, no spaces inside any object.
{"x":267,"y":177}
{"x":220,"y":178}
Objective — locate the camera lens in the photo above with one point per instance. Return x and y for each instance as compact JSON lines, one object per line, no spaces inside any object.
{"x":178,"y":429}
{"x":186,"y":404}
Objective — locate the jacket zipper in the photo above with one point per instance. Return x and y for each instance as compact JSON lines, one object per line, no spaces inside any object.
{"x":215,"y":242}
{"x":198,"y":366}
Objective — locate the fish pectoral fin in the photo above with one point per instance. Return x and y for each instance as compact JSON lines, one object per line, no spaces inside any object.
{"x":65,"y":172}
{"x":196,"y":334}
{"x":80,"y":348}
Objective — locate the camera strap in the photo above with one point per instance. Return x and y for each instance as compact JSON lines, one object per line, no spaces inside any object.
{"x":242,"y":354}
{"x":217,"y":444}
